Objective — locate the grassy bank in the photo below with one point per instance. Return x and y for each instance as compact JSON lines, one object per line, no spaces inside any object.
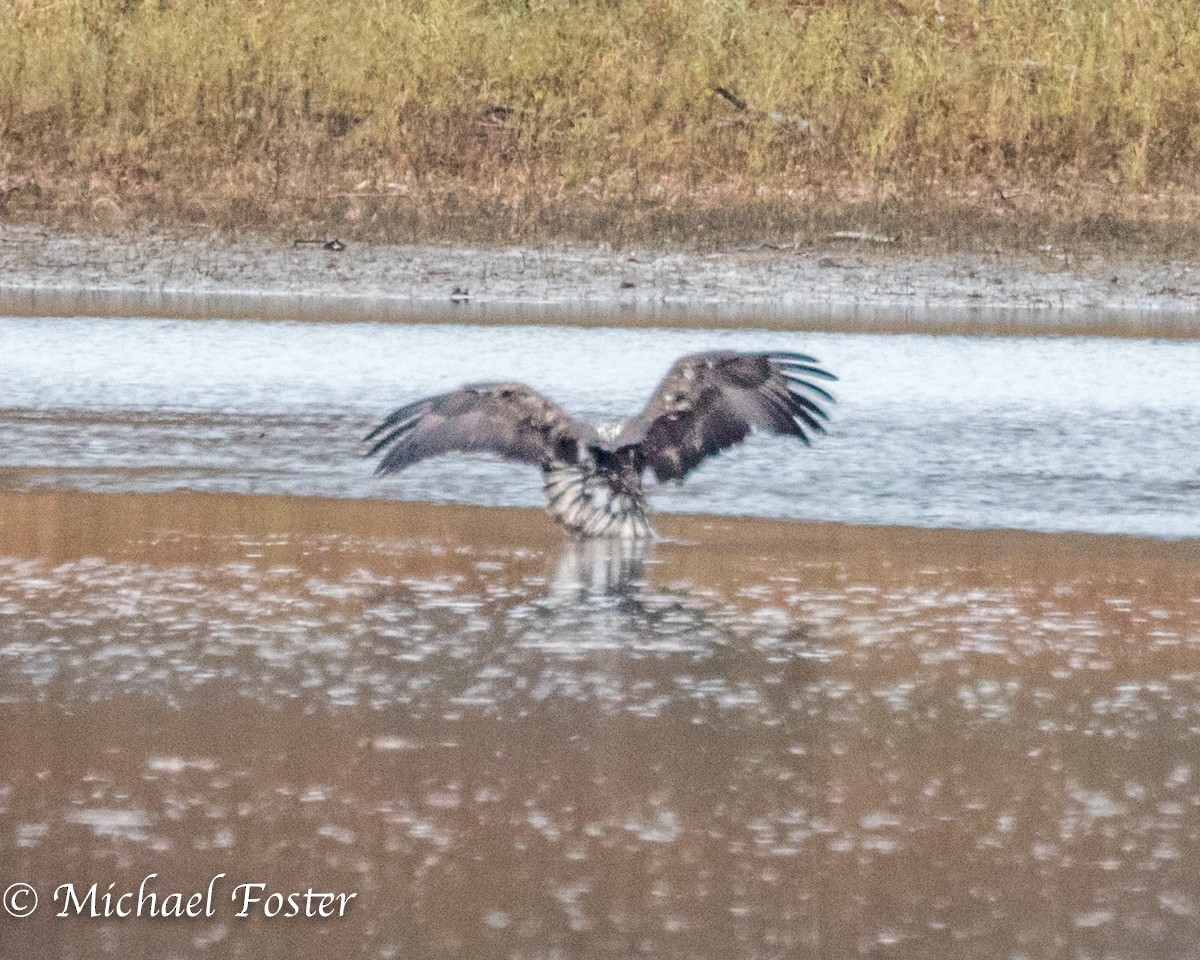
{"x":598,"y":119}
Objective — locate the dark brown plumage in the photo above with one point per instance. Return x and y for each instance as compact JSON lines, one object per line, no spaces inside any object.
{"x":505,"y":418}
{"x":706,"y":403}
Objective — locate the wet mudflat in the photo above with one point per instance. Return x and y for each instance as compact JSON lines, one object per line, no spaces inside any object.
{"x":45,"y":272}
{"x":755,"y":739}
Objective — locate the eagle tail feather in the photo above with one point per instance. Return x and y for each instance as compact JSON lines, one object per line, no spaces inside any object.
{"x":581,"y":500}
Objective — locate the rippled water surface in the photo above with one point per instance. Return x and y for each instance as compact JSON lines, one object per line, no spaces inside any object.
{"x":781,"y":740}
{"x":1087,"y":434}
{"x":222,"y":651}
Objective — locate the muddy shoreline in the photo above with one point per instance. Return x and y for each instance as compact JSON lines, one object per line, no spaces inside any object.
{"x":68,"y":524}
{"x":847,"y":286}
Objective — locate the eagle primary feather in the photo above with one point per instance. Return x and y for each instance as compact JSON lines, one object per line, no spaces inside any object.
{"x":706,"y":403}
{"x":709,"y":401}
{"x":505,"y":418}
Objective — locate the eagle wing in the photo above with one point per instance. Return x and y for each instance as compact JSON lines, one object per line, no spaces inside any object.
{"x":510,"y":419}
{"x":709,"y":401}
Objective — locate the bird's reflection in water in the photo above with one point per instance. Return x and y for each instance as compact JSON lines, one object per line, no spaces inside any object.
{"x":600,"y":597}
{"x":593,"y":625}
{"x":602,"y":594}
{"x":602,"y":568}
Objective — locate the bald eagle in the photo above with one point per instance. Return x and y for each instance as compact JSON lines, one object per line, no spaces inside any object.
{"x":593,"y":477}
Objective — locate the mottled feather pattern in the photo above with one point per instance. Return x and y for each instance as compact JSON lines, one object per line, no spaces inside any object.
{"x":505,"y":418}
{"x":710,"y":401}
{"x":593,"y":481}
{"x":586,"y":503}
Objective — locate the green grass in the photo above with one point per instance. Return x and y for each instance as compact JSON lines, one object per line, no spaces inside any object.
{"x":528,"y":119}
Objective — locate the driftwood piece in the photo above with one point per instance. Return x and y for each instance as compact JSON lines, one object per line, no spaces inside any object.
{"x":335,"y":245}
{"x":798,"y":124}
{"x":860,"y":236}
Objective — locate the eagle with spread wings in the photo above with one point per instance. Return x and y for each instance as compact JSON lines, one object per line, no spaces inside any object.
{"x":593,"y":477}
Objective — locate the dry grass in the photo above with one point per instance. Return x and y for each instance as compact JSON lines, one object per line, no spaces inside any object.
{"x":520,"y":119}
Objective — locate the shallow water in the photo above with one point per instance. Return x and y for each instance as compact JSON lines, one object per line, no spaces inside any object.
{"x":753,"y":739}
{"x":1071,"y":433}
{"x":779,"y":740}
